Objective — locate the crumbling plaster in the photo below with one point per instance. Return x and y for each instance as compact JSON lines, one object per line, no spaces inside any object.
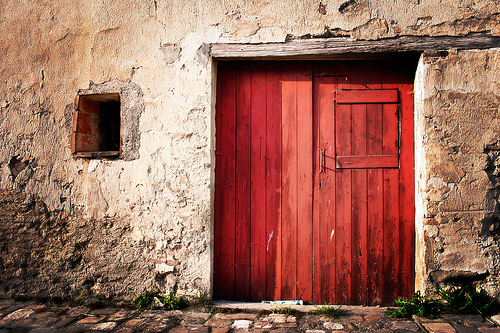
{"x":458,"y":128}
{"x":152,"y":217}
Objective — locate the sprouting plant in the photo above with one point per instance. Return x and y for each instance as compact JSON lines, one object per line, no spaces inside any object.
{"x":144,"y":300}
{"x":330,"y":310}
{"x":288,"y":310}
{"x":170,"y":301}
{"x":417,"y":305}
{"x":464,"y":299}
{"x":150,"y":300}
{"x":202,"y":299}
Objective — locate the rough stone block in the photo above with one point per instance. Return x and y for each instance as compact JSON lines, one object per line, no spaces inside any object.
{"x":220,"y":330}
{"x":333,"y":326}
{"x":218,"y":322}
{"x":439,"y":328}
{"x":107,"y":326}
{"x":241,"y":324}
{"x":496,"y":319}
{"x":16,"y":315}
{"x":89,"y":320}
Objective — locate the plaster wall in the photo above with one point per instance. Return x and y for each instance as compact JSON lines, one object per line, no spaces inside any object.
{"x":116,"y":227}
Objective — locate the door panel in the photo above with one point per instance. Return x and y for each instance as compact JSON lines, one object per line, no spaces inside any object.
{"x":314,"y":182}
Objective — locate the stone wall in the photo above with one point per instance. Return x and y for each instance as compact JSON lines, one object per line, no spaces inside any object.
{"x":119,"y":226}
{"x":459,"y":131}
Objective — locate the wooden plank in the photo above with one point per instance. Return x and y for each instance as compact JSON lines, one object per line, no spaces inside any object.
{"x":342,"y":46}
{"x":221,"y":73}
{"x":367,"y":161}
{"x":359,"y":218}
{"x":258,"y":182}
{"x":305,"y":181}
{"x":273,"y":182}
{"x":324,"y":187}
{"x":375,"y":192}
{"x":243,"y":173}
{"x":289,"y":180}
{"x":366,"y":96}
{"x":391,"y":190}
{"x":226,"y":167}
{"x":407,"y":187}
{"x":343,"y":144}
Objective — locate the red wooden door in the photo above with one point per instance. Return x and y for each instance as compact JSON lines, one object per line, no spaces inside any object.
{"x":314,"y":181}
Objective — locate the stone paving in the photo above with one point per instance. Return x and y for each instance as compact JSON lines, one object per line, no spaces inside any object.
{"x":37,"y":318}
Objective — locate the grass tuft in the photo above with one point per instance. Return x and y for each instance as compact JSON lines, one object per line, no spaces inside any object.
{"x":151,"y":300}
{"x":330,"y":310}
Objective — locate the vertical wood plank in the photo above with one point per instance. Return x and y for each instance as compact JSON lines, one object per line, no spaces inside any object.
{"x":343,"y":145}
{"x":273,"y":182}
{"x":305,"y":181}
{"x":289,"y":182}
{"x":375,"y":198}
{"x":407,"y":185}
{"x":391,"y":190}
{"x":226,"y":232}
{"x":258,"y":182}
{"x":243,"y":160}
{"x":359,"y":179}
{"x":221,"y":73}
{"x":324,"y":184}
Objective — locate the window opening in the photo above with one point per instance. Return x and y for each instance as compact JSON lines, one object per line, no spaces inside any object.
{"x":96,"y":126}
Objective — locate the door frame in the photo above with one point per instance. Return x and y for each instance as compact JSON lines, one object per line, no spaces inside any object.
{"x":347,"y":49}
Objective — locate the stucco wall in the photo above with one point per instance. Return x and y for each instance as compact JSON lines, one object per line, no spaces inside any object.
{"x":117,"y":227}
{"x":458,"y":150}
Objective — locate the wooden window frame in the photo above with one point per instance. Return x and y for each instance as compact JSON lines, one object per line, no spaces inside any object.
{"x":96,"y":126}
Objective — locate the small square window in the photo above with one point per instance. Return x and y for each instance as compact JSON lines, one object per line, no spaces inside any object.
{"x":96,"y":126}
{"x":106,"y":121}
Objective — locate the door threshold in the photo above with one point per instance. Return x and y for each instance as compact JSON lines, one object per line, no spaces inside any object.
{"x":258,"y":306}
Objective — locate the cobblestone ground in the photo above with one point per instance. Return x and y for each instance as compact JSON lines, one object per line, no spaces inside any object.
{"x":36,"y":318}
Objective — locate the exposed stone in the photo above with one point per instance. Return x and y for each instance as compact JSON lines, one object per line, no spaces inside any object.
{"x":241,"y":324}
{"x":71,"y":224}
{"x":333,"y":326}
{"x":109,"y":325}
{"x":456,"y":276}
{"x":16,"y":315}
{"x":496,"y":319}
{"x":439,"y":328}
{"x":404,"y":325}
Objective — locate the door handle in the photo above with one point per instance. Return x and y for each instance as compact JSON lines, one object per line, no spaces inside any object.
{"x":322,"y":160}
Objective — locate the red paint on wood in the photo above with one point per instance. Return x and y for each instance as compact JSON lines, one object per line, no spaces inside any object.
{"x":301,"y":227}
{"x":225,"y":232}
{"x":407,"y":186}
{"x":324,"y":199}
{"x":366,"y":96}
{"x":273,"y":182}
{"x":289,"y":182}
{"x":243,"y":173}
{"x":258,"y":182}
{"x":343,"y":193}
{"x":359,"y":193}
{"x":304,"y":143}
{"x":368,"y":161}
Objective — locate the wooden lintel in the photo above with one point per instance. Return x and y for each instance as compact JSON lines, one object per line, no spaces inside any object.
{"x":328,"y":47}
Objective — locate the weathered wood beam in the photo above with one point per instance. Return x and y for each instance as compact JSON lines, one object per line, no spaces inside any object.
{"x":328,"y":47}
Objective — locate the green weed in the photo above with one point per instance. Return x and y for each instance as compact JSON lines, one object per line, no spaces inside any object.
{"x":202,"y":299}
{"x":151,"y":300}
{"x":330,"y":310}
{"x":288,"y":310}
{"x":417,"y":305}
{"x":464,"y":299}
{"x":459,"y":299}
